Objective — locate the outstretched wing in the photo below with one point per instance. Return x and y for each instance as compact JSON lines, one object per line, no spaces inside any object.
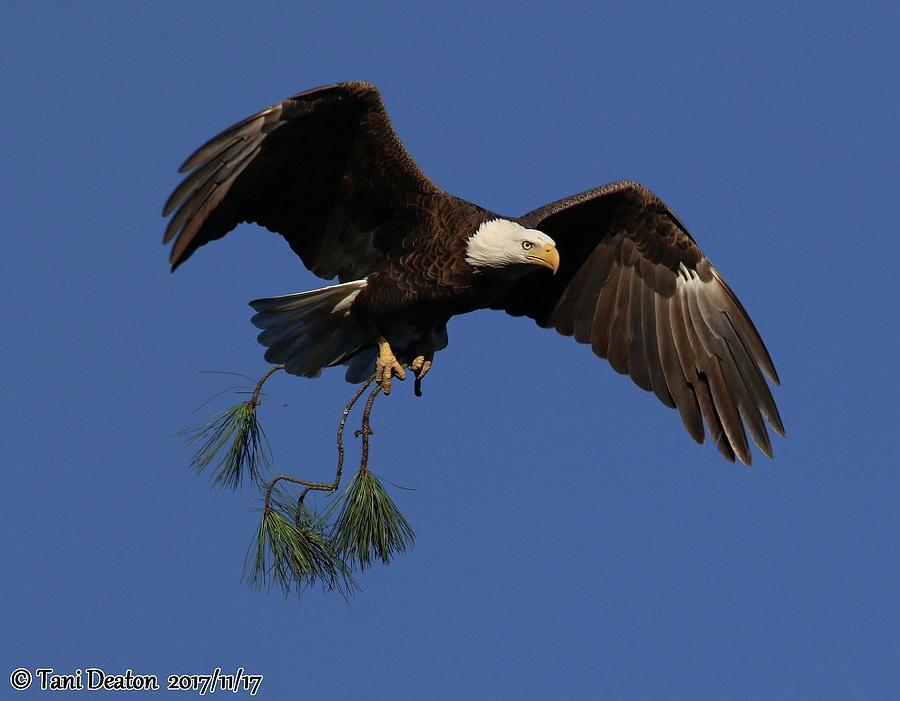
{"x":324,"y":168}
{"x":633,"y":284}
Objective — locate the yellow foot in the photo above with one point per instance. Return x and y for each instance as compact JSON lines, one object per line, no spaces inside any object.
{"x":420,"y":365}
{"x":387,"y":366}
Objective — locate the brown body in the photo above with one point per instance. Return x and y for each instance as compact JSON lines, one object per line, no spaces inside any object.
{"x":425,"y":276}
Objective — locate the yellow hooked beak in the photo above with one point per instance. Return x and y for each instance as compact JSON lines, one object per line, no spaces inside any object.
{"x":547,"y":257}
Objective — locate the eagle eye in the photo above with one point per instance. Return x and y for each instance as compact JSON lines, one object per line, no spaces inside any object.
{"x":527,"y":245}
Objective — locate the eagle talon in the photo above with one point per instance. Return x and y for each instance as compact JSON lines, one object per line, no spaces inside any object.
{"x":420,"y":365}
{"x":387,"y":366}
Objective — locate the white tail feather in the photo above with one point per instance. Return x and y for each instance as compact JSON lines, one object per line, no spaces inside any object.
{"x":309,"y":331}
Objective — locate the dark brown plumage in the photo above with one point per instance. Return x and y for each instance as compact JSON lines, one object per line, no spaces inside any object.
{"x":326,"y":170}
{"x":306,"y":168}
{"x":646,"y":298}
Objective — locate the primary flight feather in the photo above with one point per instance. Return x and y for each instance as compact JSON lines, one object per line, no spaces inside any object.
{"x":611,"y":267}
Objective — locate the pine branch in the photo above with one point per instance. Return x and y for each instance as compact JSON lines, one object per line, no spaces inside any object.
{"x":294,"y":554}
{"x":236,"y":438}
{"x":293,"y":547}
{"x":369,"y":524}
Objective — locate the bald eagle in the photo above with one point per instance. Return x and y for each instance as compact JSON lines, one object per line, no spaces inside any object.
{"x":612,"y":267}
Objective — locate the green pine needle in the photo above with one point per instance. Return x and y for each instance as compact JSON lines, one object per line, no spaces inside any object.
{"x":237,"y":439}
{"x":369,"y":524}
{"x":294,"y":555}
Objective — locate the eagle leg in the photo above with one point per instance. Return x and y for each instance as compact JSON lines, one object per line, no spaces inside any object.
{"x":423,"y":357}
{"x":387,"y":365}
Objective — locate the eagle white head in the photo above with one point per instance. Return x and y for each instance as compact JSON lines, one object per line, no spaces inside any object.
{"x":502,"y":246}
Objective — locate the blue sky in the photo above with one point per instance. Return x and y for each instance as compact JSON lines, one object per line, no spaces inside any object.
{"x":572,"y":541}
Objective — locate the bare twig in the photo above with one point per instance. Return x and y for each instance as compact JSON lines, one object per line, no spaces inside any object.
{"x":254,"y":398}
{"x":324,"y":486}
{"x":366,"y":430}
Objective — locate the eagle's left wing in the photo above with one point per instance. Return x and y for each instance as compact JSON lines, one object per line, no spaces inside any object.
{"x":634,"y":285}
{"x":324,"y":168}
